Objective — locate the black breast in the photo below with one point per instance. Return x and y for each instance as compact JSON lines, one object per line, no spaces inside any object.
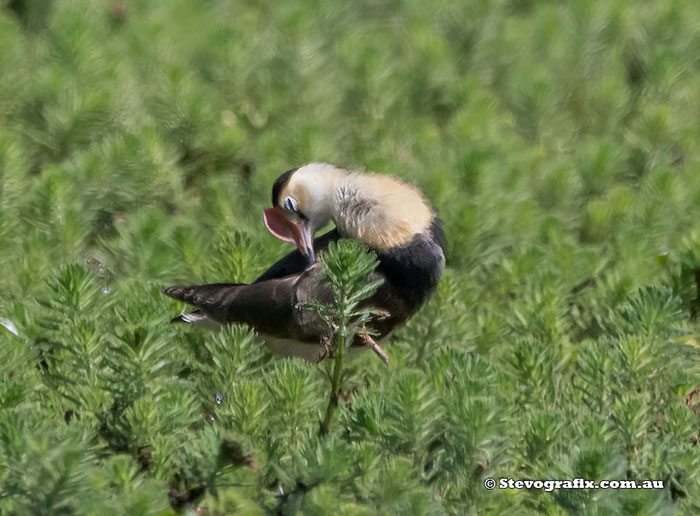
{"x":414,"y":269}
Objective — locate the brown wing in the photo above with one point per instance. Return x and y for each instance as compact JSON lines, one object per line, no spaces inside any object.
{"x":267,"y":306}
{"x":272,"y":306}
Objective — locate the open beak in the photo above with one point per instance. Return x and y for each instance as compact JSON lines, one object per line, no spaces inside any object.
{"x":290,"y":228}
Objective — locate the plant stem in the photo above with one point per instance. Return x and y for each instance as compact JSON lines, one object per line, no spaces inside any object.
{"x":335,"y":382}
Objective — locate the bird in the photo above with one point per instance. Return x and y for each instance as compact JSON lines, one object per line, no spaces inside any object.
{"x":388,"y":215}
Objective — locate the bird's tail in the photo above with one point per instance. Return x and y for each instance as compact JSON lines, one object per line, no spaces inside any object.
{"x":211,"y":302}
{"x":265,"y":305}
{"x":199,"y":294}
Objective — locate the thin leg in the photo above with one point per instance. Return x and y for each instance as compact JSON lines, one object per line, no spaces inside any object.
{"x":369,"y":341}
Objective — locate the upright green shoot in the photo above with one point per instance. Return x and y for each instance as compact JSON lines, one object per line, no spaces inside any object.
{"x":347,"y":270}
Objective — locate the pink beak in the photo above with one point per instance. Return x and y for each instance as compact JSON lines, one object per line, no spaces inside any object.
{"x":294,"y":230}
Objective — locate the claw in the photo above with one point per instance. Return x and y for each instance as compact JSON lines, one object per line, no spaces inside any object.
{"x":326,"y":347}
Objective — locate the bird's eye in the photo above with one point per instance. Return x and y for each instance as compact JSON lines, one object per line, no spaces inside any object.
{"x":290,"y":204}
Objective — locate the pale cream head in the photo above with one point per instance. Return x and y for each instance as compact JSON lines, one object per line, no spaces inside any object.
{"x":380,"y":210}
{"x":311,"y":189}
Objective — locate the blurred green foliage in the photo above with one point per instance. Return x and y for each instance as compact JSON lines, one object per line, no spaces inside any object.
{"x":558,"y":140}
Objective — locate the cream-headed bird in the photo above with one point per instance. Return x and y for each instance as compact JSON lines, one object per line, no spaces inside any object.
{"x":389,"y":215}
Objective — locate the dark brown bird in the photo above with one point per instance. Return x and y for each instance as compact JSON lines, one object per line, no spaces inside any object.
{"x":388,"y":215}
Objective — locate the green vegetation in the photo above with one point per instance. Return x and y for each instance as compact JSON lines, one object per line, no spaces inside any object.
{"x":346,"y":270}
{"x":558,"y":140}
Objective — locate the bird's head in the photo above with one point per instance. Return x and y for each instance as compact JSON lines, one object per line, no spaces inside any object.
{"x":302,"y":204}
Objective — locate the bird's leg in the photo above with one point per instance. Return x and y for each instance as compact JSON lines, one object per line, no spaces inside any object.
{"x":326,"y":345}
{"x":369,"y":341}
